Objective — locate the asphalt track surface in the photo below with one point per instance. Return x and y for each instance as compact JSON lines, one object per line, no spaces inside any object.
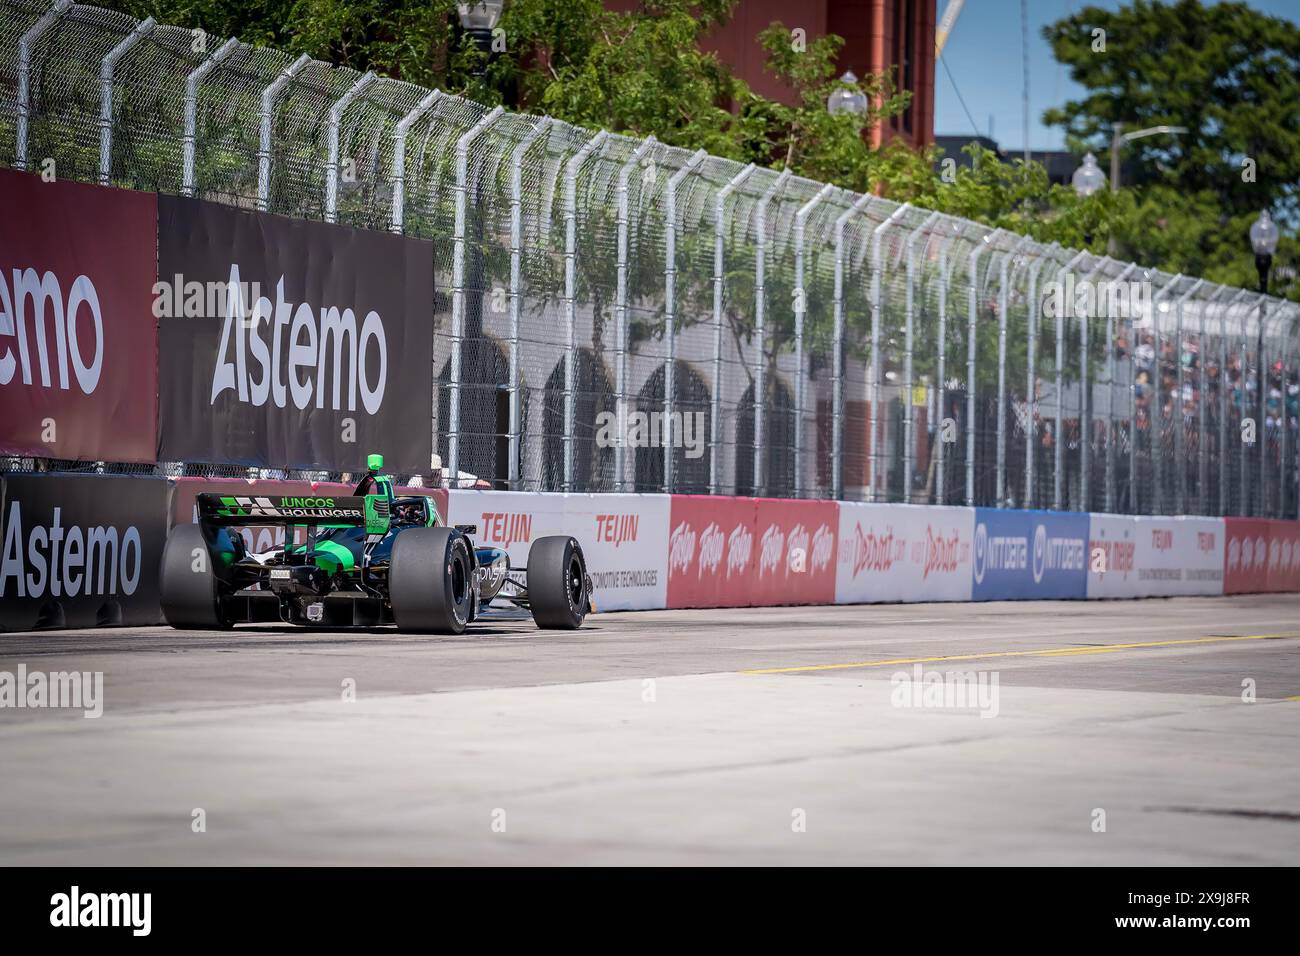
{"x":756,"y":736}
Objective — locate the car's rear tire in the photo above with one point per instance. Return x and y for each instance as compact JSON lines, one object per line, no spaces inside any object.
{"x":189,"y":588}
{"x":430,"y":577}
{"x":557,"y":583}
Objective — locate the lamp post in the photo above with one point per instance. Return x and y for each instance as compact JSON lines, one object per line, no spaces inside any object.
{"x":847,"y":98}
{"x":1088,"y":179}
{"x":1263,"y":240}
{"x":480,"y":19}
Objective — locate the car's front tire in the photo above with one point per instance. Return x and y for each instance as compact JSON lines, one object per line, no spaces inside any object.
{"x":557,"y":583}
{"x":430,"y":577}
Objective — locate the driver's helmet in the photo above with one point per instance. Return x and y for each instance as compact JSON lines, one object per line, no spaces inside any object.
{"x":409,"y":512}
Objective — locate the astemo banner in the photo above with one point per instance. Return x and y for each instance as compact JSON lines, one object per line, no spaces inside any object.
{"x":78,"y":340}
{"x":81,"y":550}
{"x":291,"y":344}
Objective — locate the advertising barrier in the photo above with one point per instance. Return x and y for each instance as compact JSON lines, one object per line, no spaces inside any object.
{"x":81,"y":550}
{"x":903,"y":553}
{"x":291,"y":344}
{"x":711,"y":551}
{"x":1245,"y":555}
{"x":1283,"y":555}
{"x":1112,"y":557}
{"x":78,"y":339}
{"x":1028,"y":555}
{"x":624,"y":537}
{"x":1179,"y":556}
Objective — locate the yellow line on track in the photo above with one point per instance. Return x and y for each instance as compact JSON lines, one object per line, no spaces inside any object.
{"x":1044,"y":652}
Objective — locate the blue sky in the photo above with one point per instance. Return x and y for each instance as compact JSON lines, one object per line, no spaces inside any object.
{"x":984,"y":55}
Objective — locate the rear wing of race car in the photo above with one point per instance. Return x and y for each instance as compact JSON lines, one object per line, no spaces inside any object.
{"x":371,"y":512}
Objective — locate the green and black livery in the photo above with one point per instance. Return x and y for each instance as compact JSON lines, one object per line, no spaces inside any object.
{"x":363,"y":560}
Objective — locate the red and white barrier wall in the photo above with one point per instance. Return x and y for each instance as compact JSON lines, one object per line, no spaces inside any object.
{"x":695,"y":551}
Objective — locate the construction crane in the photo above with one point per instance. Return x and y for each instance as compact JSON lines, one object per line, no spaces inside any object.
{"x":945,"y":26}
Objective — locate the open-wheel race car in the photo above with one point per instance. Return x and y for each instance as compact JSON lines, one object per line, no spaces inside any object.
{"x":368,"y":559}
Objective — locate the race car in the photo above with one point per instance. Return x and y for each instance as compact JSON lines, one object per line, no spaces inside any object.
{"x":365,"y":560}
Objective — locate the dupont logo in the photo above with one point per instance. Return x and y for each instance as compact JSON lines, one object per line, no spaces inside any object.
{"x":942,"y":555}
{"x":681,"y":547}
{"x":712,"y":545}
{"x":616,"y":529}
{"x":505,"y":528}
{"x":740,"y":549}
{"x":873,"y":552}
{"x":59,"y":338}
{"x":771,"y":548}
{"x":303,"y":354}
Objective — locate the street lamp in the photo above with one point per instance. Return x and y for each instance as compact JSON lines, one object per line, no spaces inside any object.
{"x":847,"y":98}
{"x":1118,"y":139}
{"x":1088,"y":178}
{"x":1263,"y":239}
{"x":480,"y":19}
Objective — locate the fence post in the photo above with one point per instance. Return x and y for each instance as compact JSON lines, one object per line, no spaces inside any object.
{"x":1295,"y":468}
{"x":908,"y":339}
{"x":458,"y":291}
{"x":1058,"y":439}
{"x":38,"y":28}
{"x":620,"y":311}
{"x":1202,"y":459}
{"x":1180,"y":439}
{"x":192,"y":83}
{"x":760,"y":313}
{"x":940,"y":490}
{"x":1223,"y":399}
{"x":719,"y":273}
{"x":1000,"y":491}
{"x":1031,"y":380}
{"x":837,"y":357}
{"x":570,"y":294}
{"x":1265,"y":506}
{"x":106,"y":68}
{"x":1111,"y":428}
{"x":1157,"y":414}
{"x":1085,"y":402}
{"x":269,"y":96}
{"x":800,"y":310}
{"x":1243,"y":499}
{"x":516,"y":280}
{"x":402,"y":130}
{"x":873,"y":466}
{"x":972,"y":348}
{"x":332,"y":132}
{"x":670,"y":308}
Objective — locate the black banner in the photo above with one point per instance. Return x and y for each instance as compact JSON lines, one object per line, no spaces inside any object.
{"x":291,"y":344}
{"x":81,"y":550}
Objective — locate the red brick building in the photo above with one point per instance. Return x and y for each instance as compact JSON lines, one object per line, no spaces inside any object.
{"x":878,"y":35}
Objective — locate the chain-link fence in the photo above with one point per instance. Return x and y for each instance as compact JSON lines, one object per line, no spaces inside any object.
{"x":615,"y":314}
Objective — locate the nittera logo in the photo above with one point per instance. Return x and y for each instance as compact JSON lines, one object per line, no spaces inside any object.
{"x":133,"y":910}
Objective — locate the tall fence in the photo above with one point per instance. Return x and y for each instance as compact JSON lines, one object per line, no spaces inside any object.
{"x":614,"y":314}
